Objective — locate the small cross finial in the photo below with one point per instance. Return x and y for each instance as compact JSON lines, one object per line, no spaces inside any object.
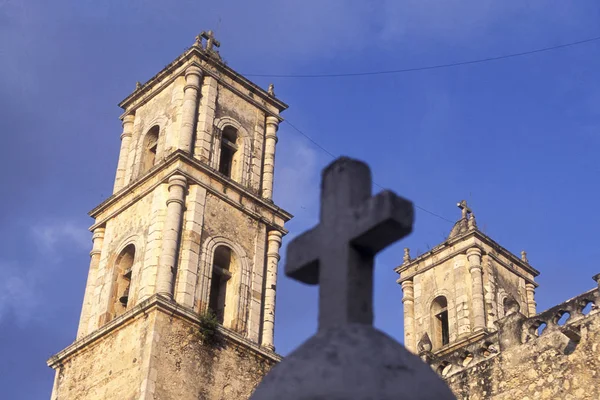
{"x":210,"y":40}
{"x":338,"y":253}
{"x":472,"y":222}
{"x":524,"y":256}
{"x":465,"y":209}
{"x":406,"y":255}
{"x":271,"y":90}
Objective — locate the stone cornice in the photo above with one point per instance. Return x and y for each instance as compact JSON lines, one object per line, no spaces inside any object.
{"x":173,"y":164}
{"x":145,"y":92}
{"x":156,"y":302}
{"x":455,"y":242}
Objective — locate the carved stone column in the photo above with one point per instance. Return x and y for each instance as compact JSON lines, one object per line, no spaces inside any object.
{"x":408,"y":300}
{"x":531,"y":304}
{"x":86,"y":310}
{"x":474,"y":256}
{"x":273,"y":244}
{"x":171,"y":233}
{"x":124,"y":152}
{"x":193,"y":75}
{"x":269,"y":164}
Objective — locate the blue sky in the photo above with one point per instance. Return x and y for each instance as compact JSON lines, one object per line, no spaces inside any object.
{"x":517,"y":138}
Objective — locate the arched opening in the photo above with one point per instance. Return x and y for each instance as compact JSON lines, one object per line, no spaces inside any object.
{"x":439,"y":322}
{"x":221,"y":276}
{"x":149,"y":149}
{"x":122,"y":281}
{"x":229,"y":148}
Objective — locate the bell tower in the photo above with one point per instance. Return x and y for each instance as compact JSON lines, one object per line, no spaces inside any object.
{"x":453,"y":294}
{"x":180,"y":297}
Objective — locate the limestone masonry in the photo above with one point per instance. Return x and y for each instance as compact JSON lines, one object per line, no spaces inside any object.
{"x":470,"y":312}
{"x":180,"y":298}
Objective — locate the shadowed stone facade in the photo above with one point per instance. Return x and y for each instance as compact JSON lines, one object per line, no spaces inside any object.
{"x":470,"y":312}
{"x":190,"y":230}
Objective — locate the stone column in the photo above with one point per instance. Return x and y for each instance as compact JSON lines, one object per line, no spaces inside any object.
{"x":124,"y":152}
{"x":408,"y":300}
{"x":171,"y":233}
{"x":193,"y":75}
{"x":531,"y":304}
{"x":98,"y":241}
{"x":269,"y":164}
{"x":474,"y":256}
{"x":273,"y":244}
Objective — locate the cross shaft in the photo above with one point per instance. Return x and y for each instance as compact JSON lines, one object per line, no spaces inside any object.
{"x":338,"y":253}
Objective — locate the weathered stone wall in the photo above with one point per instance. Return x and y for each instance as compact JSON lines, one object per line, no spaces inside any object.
{"x":156,"y":351}
{"x":112,"y":367}
{"x":449,"y":279}
{"x":252,"y":121}
{"x":162,"y":109}
{"x":522,"y":362}
{"x":186,"y":369}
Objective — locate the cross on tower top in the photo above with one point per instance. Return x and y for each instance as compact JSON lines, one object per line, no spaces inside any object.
{"x":338,"y":253}
{"x":465,"y":208}
{"x":210,"y":40}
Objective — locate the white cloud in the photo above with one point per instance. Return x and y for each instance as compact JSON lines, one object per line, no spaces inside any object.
{"x":297,"y":178}
{"x":48,"y":237}
{"x":20,"y":293}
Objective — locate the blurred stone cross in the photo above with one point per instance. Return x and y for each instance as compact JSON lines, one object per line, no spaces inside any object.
{"x":338,"y":253}
{"x":348,"y":358}
{"x":210,"y":40}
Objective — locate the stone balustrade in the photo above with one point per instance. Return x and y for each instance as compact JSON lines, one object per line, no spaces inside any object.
{"x":566,"y":318}
{"x":466,"y":357}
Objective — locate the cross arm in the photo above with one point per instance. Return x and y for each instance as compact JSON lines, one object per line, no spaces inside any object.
{"x":302,"y":258}
{"x":382,"y":220}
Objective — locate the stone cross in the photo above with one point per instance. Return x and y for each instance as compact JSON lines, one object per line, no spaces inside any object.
{"x":465,"y":209}
{"x":338,"y":253}
{"x":210,"y":40}
{"x":348,"y":358}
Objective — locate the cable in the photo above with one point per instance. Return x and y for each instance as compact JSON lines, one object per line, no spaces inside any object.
{"x":439,"y":66}
{"x":374,"y":183}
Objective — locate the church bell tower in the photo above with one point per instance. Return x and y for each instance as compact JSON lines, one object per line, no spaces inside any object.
{"x":453,"y":294}
{"x":180,"y":297}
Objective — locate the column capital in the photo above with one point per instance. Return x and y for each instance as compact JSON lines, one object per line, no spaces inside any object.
{"x":529,"y":286}
{"x":474,"y":251}
{"x":407,"y":284}
{"x":178,"y":180}
{"x":98,"y":233}
{"x":273,"y":121}
{"x":128,"y":119}
{"x":275,"y":235}
{"x":193,"y":70}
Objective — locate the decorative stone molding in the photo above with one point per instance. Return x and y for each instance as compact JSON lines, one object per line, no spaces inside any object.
{"x":240,"y":316}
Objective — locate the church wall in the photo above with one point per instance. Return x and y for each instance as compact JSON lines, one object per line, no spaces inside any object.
{"x":252,"y":120}
{"x":111,"y":368}
{"x":139,"y":224}
{"x":449,"y":279}
{"x":224,"y":220}
{"x":163,"y":109}
{"x":186,"y":369}
{"x":546,"y":367}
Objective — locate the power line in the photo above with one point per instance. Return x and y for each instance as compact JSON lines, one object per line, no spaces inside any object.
{"x":374,"y":183}
{"x":439,"y":66}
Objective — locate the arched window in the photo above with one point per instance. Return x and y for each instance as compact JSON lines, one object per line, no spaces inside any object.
{"x":225,"y":284}
{"x":149,"y":149}
{"x":220,"y":277}
{"x":439,"y":322}
{"x":122,"y":281}
{"x":229,"y":147}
